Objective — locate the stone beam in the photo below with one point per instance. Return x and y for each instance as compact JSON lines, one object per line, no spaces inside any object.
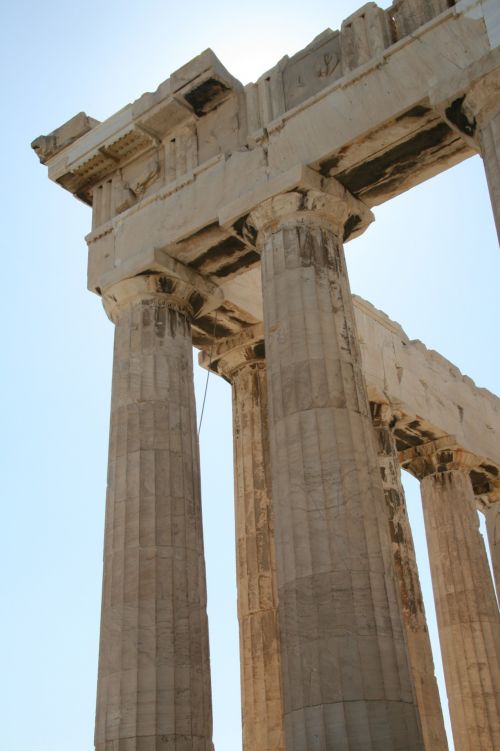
{"x":466,"y":607}
{"x":180,"y":168}
{"x":431,"y":397}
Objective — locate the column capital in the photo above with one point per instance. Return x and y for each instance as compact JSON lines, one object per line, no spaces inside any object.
{"x":162,"y":289}
{"x":383,"y":414}
{"x":470,"y":98}
{"x":230,"y":354}
{"x":328,"y":205}
{"x":482,"y":102}
{"x":445,"y":454}
{"x":442,"y":455}
{"x":170,"y":283}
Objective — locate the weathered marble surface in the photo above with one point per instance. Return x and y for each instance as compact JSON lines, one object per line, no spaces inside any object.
{"x":346,"y":679}
{"x":407,"y":578}
{"x":154,"y":674}
{"x":492,"y":514}
{"x":378,"y":105}
{"x":429,"y":395}
{"x":260,"y":657}
{"x":466,"y":606}
{"x":185,"y":184}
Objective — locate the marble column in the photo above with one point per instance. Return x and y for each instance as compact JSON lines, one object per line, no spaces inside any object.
{"x":492,"y":517}
{"x":346,"y":682}
{"x":481,"y":108}
{"x":154,"y":679}
{"x":410,"y":593}
{"x":489,"y":140}
{"x":466,"y":607}
{"x":241,"y":360}
{"x":490,"y":149}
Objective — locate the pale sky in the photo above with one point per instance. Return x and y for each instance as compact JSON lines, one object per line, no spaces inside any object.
{"x":430,"y":261}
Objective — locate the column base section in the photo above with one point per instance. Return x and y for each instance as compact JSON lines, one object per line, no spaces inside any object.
{"x":157,"y":743}
{"x":353,"y":726}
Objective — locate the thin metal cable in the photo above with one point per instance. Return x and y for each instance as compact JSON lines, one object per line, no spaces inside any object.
{"x":208,"y":372}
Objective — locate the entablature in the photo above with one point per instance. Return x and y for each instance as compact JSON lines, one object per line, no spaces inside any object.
{"x":430,"y":398}
{"x":376,"y":105}
{"x":373,"y":76}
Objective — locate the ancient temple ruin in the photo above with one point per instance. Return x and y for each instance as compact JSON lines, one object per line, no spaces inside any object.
{"x":219,"y":214}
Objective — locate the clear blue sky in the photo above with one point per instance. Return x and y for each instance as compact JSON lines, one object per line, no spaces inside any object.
{"x":431,"y":261}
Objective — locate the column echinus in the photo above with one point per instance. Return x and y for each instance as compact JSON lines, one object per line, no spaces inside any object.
{"x":466,"y":608}
{"x":410,"y":593}
{"x":240,"y":359}
{"x":345,"y":672}
{"x":154,"y":680}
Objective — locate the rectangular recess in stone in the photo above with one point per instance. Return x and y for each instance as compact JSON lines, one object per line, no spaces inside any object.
{"x":225,"y":259}
{"x":312,"y":69}
{"x":377,"y":175}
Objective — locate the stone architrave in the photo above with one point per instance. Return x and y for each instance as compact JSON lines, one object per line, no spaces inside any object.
{"x":407,"y":578}
{"x":240,"y":359}
{"x":154,"y":676}
{"x":466,"y":606}
{"x":492,"y":516}
{"x":346,"y":681}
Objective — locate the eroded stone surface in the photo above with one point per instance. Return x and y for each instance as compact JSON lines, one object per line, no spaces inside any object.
{"x":408,"y":583}
{"x":345,"y":671}
{"x":364,"y":105}
{"x":492,"y":514}
{"x":466,"y":606}
{"x":154,"y":674}
{"x":242,"y":361}
{"x":430,"y":396}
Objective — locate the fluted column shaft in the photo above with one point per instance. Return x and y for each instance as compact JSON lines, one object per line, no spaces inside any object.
{"x":489,"y":141}
{"x":256,"y":565}
{"x":492,"y":516}
{"x":346,"y":681}
{"x":482,"y":112}
{"x":466,"y":608}
{"x":244,"y":366}
{"x":410,"y":593}
{"x":241,"y":360}
{"x":154,"y":681}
